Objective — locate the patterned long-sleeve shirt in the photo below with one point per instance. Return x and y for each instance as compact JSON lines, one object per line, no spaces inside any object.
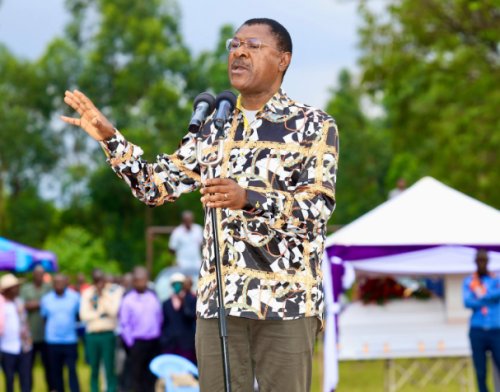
{"x":271,"y":249}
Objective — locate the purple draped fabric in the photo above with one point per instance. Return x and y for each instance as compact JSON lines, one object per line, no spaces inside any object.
{"x":21,"y":258}
{"x":356,"y":252}
{"x":7,"y":261}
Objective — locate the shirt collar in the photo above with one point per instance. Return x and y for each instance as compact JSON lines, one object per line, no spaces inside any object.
{"x":279,"y":105}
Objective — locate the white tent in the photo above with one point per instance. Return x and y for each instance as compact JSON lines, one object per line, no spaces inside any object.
{"x":428,"y":213}
{"x":411,"y":235}
{"x":441,"y":260}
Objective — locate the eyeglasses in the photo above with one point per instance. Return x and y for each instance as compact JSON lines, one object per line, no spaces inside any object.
{"x":252,"y":44}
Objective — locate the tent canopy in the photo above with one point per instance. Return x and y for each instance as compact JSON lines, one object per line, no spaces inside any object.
{"x":427,"y":214}
{"x":21,"y":258}
{"x":441,"y":260}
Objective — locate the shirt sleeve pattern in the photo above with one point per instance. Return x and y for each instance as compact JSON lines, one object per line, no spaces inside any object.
{"x":154,"y":183}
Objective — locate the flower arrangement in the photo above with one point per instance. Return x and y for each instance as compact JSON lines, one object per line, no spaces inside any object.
{"x":382,"y":290}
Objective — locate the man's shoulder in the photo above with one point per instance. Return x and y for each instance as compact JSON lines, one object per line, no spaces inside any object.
{"x":73,"y":294}
{"x":310,"y":113}
{"x":47,"y":296}
{"x":127,"y":297}
{"x":88,"y":292}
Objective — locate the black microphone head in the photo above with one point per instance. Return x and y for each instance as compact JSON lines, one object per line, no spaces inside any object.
{"x":205,"y":97}
{"x":227,"y":96}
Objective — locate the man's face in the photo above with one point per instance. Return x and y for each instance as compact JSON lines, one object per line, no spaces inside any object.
{"x":97,"y":276}
{"x":99,"y":284}
{"x":80,"y":278}
{"x":253,"y":72}
{"x":482,"y":264}
{"x":127,"y":280}
{"x":38,"y":273}
{"x":140,"y":283}
{"x":60,"y":284}
{"x":177,"y":286}
{"x":11,"y":292}
{"x":187,"y":219}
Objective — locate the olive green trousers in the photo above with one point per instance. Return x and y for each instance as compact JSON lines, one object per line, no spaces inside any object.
{"x":278,"y":353}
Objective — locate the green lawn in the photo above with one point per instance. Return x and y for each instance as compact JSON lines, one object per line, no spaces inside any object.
{"x":355,"y":376}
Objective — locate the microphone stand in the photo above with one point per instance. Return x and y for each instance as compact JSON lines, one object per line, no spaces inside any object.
{"x":210,"y":165}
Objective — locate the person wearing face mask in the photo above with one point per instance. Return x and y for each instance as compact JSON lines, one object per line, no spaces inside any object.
{"x":179,"y":315}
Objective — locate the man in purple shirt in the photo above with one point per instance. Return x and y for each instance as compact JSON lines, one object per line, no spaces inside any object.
{"x":141,"y":319}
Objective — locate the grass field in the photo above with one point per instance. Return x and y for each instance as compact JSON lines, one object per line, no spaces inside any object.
{"x":355,"y":376}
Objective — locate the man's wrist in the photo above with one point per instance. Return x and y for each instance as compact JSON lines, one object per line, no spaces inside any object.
{"x":254,"y":201}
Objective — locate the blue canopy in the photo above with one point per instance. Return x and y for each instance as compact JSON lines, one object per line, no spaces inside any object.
{"x":21,"y":258}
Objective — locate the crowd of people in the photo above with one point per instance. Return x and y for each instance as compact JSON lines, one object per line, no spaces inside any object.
{"x":120,"y":320}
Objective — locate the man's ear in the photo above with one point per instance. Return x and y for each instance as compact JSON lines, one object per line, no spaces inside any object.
{"x":285,"y":60}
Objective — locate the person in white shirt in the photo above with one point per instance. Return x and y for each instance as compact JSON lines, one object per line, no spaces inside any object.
{"x":16,"y":345}
{"x":186,"y":241}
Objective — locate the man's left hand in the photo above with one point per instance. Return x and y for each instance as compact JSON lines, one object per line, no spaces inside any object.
{"x":223,"y":193}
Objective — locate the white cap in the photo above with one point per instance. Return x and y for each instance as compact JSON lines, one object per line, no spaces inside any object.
{"x":177,"y":277}
{"x":8,"y":281}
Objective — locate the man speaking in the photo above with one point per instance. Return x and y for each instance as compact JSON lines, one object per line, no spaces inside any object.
{"x":274,"y":193}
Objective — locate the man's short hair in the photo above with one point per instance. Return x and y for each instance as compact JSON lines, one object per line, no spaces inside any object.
{"x":282,"y":35}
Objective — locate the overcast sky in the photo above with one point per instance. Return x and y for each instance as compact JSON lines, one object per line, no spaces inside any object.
{"x":323,"y":33}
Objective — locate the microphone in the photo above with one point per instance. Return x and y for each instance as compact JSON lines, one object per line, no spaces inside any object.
{"x":203,"y":105}
{"x":225,"y":103}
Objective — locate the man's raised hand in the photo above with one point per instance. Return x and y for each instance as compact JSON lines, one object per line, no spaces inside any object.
{"x":92,"y":120}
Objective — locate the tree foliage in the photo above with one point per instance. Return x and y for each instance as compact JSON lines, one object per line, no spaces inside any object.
{"x":437,"y":65}
{"x":78,"y":251}
{"x":364,"y":153}
{"x":129,"y":58}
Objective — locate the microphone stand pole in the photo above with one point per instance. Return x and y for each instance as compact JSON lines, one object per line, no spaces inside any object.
{"x":210,"y":165}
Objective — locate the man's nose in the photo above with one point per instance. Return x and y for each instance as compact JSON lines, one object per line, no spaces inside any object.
{"x":242,"y":51}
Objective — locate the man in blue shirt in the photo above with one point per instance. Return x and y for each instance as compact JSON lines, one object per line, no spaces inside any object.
{"x":59,"y":308}
{"x":482,"y":295}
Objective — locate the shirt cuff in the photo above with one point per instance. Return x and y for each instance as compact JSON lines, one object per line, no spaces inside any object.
{"x":115,"y":145}
{"x":255,"y":201}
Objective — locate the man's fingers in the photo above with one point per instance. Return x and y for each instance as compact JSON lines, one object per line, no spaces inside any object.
{"x":218,"y":204}
{"x":216,"y":181}
{"x":74,"y":105}
{"x":215,"y":189}
{"x":212,"y":198}
{"x":87,"y":103}
{"x":69,"y":120}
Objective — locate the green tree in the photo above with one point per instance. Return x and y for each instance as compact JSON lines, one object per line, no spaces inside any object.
{"x":364,"y":153}
{"x":437,"y":65}
{"x":139,"y":73}
{"x":78,"y":251}
{"x":28,"y":148}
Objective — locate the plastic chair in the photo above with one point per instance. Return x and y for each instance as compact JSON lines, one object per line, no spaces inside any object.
{"x":164,"y":365}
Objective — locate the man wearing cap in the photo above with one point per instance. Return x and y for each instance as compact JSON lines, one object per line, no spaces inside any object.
{"x":16,"y":345}
{"x":179,"y":315}
{"x":140,"y":320}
